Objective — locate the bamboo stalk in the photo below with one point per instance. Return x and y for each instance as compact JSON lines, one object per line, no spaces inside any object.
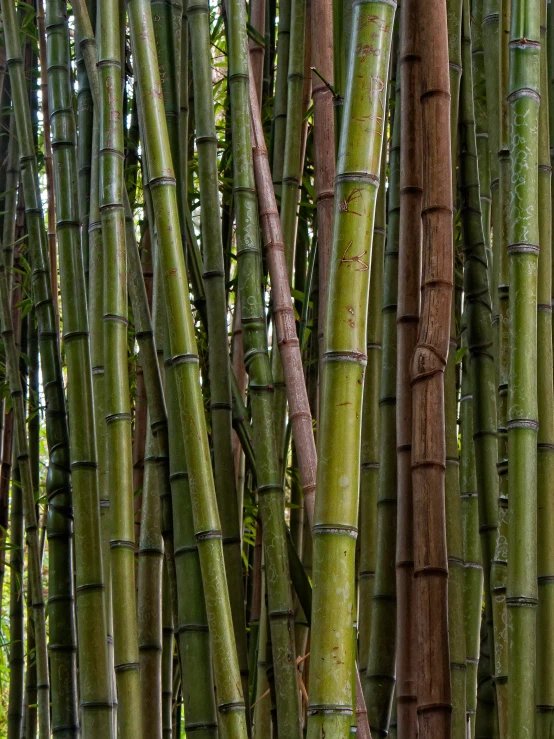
{"x":427,"y":378}
{"x":35,"y":574}
{"x":332,"y":686}
{"x":149,"y":596}
{"x":409,"y":275}
{"x":523,"y":249}
{"x":118,"y":417}
{"x":184,"y":358}
{"x":216,"y":305}
{"x":268,"y":472}
{"x":381,"y":668}
{"x":285,"y":324}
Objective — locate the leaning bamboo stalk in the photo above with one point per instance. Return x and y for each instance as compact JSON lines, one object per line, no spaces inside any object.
{"x":427,"y":377}
{"x":332,"y":668}
{"x":409,"y":271}
{"x":257,"y":49}
{"x":523,"y":251}
{"x":545,"y":437}
{"x":118,"y":416}
{"x":184,"y":359}
{"x":285,"y":324}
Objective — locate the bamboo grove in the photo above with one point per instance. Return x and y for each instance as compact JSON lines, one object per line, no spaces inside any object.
{"x":276,"y":369}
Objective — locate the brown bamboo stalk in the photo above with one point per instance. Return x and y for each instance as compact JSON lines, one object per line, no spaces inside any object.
{"x":427,"y":377}
{"x":285,"y":324}
{"x":409,"y":269}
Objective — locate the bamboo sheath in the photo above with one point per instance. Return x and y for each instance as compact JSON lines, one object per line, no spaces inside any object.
{"x":184,"y":359}
{"x":409,"y":276}
{"x":332,"y":671}
{"x":427,"y":380}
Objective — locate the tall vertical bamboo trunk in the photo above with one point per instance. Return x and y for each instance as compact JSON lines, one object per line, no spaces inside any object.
{"x":381,"y":667}
{"x":268,"y":472}
{"x":427,"y":378}
{"x":117,"y":408}
{"x":184,"y":359}
{"x":523,"y":250}
{"x":324,"y":140}
{"x":370,"y":461}
{"x":216,"y":304}
{"x":545,"y":437}
{"x":501,"y":281}
{"x":332,"y":662}
{"x":473,"y":585}
{"x":409,"y":271}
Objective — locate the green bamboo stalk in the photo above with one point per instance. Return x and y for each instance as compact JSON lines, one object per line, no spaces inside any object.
{"x":216,"y":305}
{"x":35,"y":574}
{"x":488,"y":487}
{"x":280,"y":100}
{"x":192,"y":622}
{"x":262,"y":728}
{"x":486,"y":720}
{"x":545,"y":437}
{"x":371,"y":428}
{"x":94,"y":666}
{"x":84,"y":148}
{"x":335,"y":522}
{"x":457,"y":52}
{"x":268,"y":472}
{"x":473,"y":580}
{"x":17,"y":646}
{"x":523,"y":249}
{"x":381,"y":671}
{"x":17,"y":598}
{"x":149,"y":596}
{"x":501,"y":215}
{"x":292,"y":161}
{"x":183,"y":357}
{"x":58,"y":481}
{"x":167,"y":656}
{"x":481,"y":120}
{"x":10,"y":199}
{"x":118,"y":416}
